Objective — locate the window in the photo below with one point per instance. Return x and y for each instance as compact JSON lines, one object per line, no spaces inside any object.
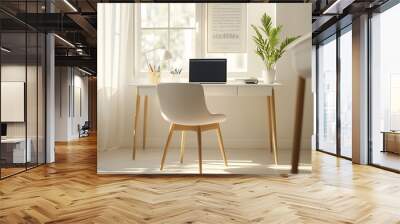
{"x":167,"y":27}
{"x":385,"y":88}
{"x":334,"y":103}
{"x":346,"y":93}
{"x":327,"y":96}
{"x":178,"y":28}
{"x":394,"y":101}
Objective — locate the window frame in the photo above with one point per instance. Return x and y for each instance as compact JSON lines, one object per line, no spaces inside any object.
{"x":370,"y":72}
{"x":139,"y":29}
{"x":336,"y":36}
{"x":200,"y":40}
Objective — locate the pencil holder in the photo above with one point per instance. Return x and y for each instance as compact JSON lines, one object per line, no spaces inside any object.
{"x":154,"y":77}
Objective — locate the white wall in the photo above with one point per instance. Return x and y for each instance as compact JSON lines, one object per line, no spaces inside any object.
{"x":61,"y":103}
{"x":254,"y":13}
{"x":15,"y":72}
{"x":246,"y":126}
{"x":82,"y":83}
{"x":68,"y":81}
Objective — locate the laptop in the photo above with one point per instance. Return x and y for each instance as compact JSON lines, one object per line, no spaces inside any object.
{"x":207,"y":70}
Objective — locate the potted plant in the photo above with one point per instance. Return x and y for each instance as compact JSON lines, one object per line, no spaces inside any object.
{"x":270,"y":48}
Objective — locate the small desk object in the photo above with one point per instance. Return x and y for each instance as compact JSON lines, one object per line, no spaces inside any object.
{"x":230,"y":88}
{"x":391,"y":141}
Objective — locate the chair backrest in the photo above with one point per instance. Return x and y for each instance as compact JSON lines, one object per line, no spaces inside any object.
{"x":301,"y":55}
{"x":181,"y":101}
{"x":86,"y":125}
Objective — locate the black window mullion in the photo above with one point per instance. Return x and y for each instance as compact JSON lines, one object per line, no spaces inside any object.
{"x":37,"y":91}
{"x":369,"y":96}
{"x":26,"y":88}
{"x":317,"y":96}
{"x":338,"y":82}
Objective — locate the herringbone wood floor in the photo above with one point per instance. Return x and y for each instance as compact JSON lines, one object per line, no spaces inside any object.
{"x":70,"y":191}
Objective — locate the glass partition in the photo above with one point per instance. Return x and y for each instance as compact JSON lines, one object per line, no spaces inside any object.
{"x":14,"y":153}
{"x":22,"y":67}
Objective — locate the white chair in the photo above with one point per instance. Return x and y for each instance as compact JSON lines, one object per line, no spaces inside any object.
{"x":184,"y":106}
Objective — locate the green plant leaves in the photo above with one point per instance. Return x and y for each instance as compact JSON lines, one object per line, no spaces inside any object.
{"x":267,"y":40}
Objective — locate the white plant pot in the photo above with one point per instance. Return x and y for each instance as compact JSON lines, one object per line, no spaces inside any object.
{"x":269,"y":76}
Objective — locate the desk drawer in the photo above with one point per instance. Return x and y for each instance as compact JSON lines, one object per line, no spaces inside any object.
{"x":254,"y":91}
{"x":210,"y":90}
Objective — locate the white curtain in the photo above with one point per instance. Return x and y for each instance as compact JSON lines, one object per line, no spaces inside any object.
{"x":115,"y":65}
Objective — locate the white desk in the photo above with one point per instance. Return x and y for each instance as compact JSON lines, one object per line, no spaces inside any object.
{"x":231,"y":88}
{"x":19,"y":155}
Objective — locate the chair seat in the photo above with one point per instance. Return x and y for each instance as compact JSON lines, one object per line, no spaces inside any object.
{"x":200,"y":120}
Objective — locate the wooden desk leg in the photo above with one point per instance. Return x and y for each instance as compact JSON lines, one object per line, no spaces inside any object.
{"x":135,"y":126}
{"x":199,"y":150}
{"x":271,"y":145}
{"x":146,"y":98}
{"x":298,"y":125}
{"x":274,"y":118}
{"x":182,"y":147}
{"x":269,"y":123}
{"x":272,"y":124}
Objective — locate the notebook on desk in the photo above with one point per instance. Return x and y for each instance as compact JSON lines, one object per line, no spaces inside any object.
{"x":207,"y":70}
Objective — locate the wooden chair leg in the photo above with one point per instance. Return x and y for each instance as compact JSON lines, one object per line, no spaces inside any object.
{"x":199,"y":142}
{"x":182,"y":147}
{"x":171,"y":131}
{"x":298,"y":125}
{"x":221,"y":145}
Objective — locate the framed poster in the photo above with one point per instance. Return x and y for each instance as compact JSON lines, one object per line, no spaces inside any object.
{"x":226,"y":27}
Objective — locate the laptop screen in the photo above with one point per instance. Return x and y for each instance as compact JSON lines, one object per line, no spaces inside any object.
{"x":207,"y":70}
